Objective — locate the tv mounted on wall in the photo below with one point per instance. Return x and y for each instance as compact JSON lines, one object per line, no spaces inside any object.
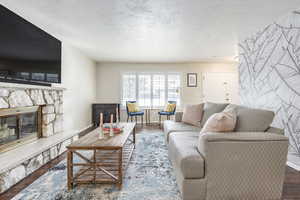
{"x":28,"y":54}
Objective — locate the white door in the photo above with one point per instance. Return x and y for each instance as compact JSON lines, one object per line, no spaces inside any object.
{"x":221,"y":87}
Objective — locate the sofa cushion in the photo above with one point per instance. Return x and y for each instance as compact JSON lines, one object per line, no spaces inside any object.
{"x":192,"y":114}
{"x":185,"y":156}
{"x":210,"y":109}
{"x":252,"y":120}
{"x":171,"y":126}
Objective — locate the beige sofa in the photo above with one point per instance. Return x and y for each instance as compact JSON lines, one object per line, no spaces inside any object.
{"x":246,"y":164}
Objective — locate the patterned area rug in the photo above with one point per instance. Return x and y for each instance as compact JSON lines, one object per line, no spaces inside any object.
{"x":149,"y":176}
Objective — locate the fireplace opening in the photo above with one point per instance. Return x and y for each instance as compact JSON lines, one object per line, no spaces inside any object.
{"x":19,"y":126}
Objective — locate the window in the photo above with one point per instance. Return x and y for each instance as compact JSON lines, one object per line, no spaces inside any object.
{"x":151,"y":89}
{"x":158,"y":90}
{"x":129,"y":87}
{"x":173,"y":88}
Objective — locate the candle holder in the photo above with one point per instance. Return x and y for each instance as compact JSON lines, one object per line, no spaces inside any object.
{"x":111,"y":131}
{"x":101,"y":134}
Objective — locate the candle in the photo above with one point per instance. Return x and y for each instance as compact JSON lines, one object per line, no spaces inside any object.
{"x":111,"y":118}
{"x":117,"y":115}
{"x":101,"y":135}
{"x":111,"y":132}
{"x":101,"y":120}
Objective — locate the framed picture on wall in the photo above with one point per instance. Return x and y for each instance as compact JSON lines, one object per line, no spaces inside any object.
{"x":192,"y":79}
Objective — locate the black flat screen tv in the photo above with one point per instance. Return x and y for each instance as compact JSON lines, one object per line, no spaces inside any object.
{"x":28,"y":55}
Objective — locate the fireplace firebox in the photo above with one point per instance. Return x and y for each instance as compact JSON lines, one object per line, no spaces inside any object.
{"x":19,"y":126}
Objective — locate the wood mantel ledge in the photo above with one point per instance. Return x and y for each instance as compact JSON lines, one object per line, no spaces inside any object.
{"x":27,"y":86}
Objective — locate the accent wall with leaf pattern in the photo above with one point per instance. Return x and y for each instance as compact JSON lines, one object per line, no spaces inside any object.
{"x":269,"y":68}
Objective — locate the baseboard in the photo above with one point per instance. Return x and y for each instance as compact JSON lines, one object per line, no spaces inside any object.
{"x":292,"y":165}
{"x":85,"y":130}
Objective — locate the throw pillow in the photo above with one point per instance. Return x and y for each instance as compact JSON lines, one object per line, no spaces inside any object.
{"x":170,"y":107}
{"x":192,"y":114}
{"x":132,"y":107}
{"x":210,"y":109}
{"x":220,"y":122}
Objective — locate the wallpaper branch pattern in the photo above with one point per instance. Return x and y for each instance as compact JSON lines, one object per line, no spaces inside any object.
{"x":270,"y":74}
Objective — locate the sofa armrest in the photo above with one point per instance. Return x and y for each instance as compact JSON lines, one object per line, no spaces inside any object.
{"x":237,"y":137}
{"x":178,"y":116}
{"x":243,"y":160}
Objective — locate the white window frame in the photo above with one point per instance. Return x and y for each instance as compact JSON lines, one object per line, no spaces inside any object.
{"x":151,"y":90}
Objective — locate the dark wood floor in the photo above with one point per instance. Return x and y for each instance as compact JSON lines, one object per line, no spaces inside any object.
{"x":291,"y":188}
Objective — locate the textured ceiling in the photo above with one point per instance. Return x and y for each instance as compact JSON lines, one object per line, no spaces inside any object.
{"x":152,"y":30}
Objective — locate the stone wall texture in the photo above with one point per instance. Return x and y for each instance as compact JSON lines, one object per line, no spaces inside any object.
{"x":270,"y":75}
{"x":50,"y":100}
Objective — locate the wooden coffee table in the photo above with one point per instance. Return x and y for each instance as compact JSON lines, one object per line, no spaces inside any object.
{"x":101,"y":160}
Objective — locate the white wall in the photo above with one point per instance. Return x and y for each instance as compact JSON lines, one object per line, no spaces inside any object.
{"x":108,"y":77}
{"x":79,"y":79}
{"x":109,"y":86}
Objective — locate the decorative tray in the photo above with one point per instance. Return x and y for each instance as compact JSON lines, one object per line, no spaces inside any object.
{"x":116,"y":130}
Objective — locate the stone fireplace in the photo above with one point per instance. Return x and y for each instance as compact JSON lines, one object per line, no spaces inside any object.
{"x":49,"y":100}
{"x":28,"y":113}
